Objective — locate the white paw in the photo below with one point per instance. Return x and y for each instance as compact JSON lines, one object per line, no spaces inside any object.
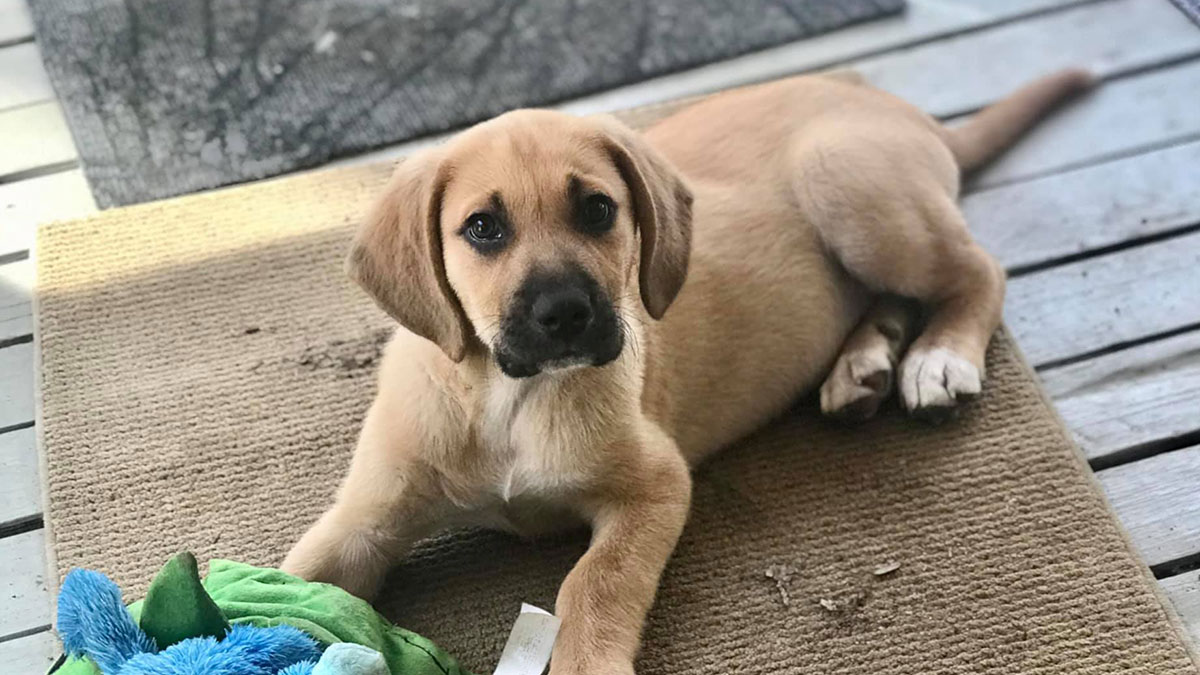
{"x":933,"y":381}
{"x":859,"y":382}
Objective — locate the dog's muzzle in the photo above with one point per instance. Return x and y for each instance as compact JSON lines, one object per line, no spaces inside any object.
{"x":558,"y":320}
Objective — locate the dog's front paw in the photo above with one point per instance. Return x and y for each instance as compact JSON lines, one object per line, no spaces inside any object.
{"x":934,"y":380}
{"x":861,"y":380}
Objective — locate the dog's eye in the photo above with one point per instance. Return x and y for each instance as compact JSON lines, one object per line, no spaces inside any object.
{"x":483,"y":228}
{"x":596,"y":213}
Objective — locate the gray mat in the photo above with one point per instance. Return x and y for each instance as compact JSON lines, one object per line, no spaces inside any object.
{"x":1191,"y":8}
{"x":166,"y":97}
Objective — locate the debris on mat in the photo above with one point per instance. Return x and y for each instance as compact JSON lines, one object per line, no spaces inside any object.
{"x":782,"y":575}
{"x":886,"y":568}
{"x":845,"y":605}
{"x":347,"y":356}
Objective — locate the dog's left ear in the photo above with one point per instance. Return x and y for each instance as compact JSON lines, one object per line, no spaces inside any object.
{"x":662,"y":212}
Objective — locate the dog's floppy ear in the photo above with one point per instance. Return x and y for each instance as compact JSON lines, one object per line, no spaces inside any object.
{"x":662,"y":205}
{"x":397,"y":256}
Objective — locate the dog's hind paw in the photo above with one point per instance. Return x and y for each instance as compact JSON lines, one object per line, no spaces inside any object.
{"x":860,"y":381}
{"x":934,"y":381}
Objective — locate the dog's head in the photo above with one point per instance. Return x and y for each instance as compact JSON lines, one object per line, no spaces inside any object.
{"x":531,"y":233}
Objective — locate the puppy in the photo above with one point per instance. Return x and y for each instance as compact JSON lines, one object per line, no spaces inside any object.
{"x":588,"y":312}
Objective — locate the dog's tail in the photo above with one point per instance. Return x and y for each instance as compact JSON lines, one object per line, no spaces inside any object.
{"x":998,"y":126}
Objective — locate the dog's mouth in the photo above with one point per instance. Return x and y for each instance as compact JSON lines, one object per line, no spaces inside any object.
{"x":558,"y":321}
{"x":520,"y":356}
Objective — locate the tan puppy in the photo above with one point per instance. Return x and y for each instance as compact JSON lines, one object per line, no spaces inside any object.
{"x":591,"y":312}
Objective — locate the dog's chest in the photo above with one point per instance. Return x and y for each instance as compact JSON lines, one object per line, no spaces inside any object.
{"x":537,"y":445}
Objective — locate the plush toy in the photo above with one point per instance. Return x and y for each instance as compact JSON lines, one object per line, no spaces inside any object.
{"x":241,"y":620}
{"x":93,"y":622}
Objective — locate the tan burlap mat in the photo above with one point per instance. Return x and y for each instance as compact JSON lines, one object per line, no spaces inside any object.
{"x":205,"y":366}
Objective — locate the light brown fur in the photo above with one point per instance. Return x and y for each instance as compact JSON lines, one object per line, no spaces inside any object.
{"x":780,"y":224}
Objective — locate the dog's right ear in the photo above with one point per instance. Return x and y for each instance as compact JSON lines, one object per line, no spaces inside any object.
{"x":397,"y":256}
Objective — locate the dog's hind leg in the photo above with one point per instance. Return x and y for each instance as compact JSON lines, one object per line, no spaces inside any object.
{"x":928,"y":254}
{"x":882,"y":191}
{"x":884,"y":206}
{"x":864,"y":374}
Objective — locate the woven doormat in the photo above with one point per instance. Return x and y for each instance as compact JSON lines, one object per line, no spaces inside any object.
{"x":166,"y":97}
{"x":205,"y":366}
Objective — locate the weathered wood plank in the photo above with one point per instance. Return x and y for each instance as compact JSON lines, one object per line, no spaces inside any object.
{"x":1089,"y":208}
{"x":1122,"y":117}
{"x":20,"y":493}
{"x":1184,"y":593}
{"x":34,"y":136}
{"x":23,"y":78}
{"x":16,"y":386}
{"x":1131,"y":397}
{"x":956,"y":75}
{"x":22,"y":584}
{"x":921,"y":21}
{"x":30,"y":654}
{"x":1155,"y":498}
{"x":1100,"y":302}
{"x":16,"y":292}
{"x":16,"y":23}
{"x":28,"y":203}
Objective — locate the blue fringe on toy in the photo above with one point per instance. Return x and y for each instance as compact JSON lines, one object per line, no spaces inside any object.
{"x":93,"y":622}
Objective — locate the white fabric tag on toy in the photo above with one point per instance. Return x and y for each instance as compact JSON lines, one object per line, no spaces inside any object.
{"x":529,"y":644}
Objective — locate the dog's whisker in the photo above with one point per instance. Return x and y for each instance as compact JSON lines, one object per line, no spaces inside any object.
{"x":630,"y":335}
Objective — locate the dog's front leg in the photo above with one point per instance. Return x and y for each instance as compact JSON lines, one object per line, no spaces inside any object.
{"x":386,"y":504}
{"x":604,"y":600}
{"x":365,"y":532}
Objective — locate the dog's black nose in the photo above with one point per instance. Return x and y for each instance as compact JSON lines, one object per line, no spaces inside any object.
{"x":563,"y":313}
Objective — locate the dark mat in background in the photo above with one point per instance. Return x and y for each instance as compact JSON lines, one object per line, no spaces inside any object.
{"x":1191,"y":8}
{"x":166,"y":97}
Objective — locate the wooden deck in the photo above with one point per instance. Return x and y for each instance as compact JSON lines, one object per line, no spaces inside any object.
{"x":1096,"y":215}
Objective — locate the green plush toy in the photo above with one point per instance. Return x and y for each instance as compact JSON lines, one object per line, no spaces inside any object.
{"x":178,"y":606}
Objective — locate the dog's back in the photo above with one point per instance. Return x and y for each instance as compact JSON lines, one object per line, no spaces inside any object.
{"x":785,"y":173}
